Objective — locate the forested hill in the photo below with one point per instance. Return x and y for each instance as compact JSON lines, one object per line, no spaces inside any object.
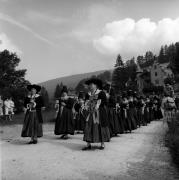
{"x":69,"y":81}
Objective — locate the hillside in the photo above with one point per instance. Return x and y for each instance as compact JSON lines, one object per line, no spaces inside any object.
{"x":69,"y":81}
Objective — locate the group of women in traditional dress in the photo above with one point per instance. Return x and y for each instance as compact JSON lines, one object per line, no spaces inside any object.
{"x":99,"y":114}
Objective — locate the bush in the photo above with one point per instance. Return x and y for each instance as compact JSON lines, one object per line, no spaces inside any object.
{"x":172,"y":139}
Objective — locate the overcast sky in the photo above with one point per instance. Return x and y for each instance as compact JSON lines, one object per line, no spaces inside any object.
{"x":56,"y":38}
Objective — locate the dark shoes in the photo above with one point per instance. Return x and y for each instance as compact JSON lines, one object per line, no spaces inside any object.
{"x":64,"y":136}
{"x":33,"y":142}
{"x":101,"y":147}
{"x":86,"y":148}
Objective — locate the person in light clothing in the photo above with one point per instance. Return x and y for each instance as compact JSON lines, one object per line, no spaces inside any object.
{"x":11,"y":109}
{"x":7,"y":107}
{"x":169,"y":108}
{"x":1,"y":107}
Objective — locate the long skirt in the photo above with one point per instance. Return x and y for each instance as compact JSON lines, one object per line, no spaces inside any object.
{"x":131,"y":118}
{"x":64,"y":123}
{"x":140,"y":116}
{"x":151,"y":114}
{"x":114,"y":126}
{"x":94,"y":132}
{"x":158,"y":114}
{"x":80,"y":121}
{"x":146,"y":116}
{"x":31,"y":126}
{"x":136,"y":117}
{"x":126,"y":121}
{"x":121,"y":122}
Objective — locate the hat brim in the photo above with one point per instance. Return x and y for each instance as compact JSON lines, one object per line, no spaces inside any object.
{"x":34,"y":86}
{"x":98,"y":82}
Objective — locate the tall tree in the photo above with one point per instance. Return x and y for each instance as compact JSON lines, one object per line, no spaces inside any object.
{"x":12,"y":81}
{"x":119,"y":76}
{"x":119,"y":61}
{"x":140,"y":59}
{"x":149,"y":56}
{"x":175,"y":61}
{"x":58,"y":89}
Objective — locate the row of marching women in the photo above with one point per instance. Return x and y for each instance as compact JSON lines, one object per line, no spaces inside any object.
{"x":99,"y":114}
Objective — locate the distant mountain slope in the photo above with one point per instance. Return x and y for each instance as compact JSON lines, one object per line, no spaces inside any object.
{"x":69,"y":81}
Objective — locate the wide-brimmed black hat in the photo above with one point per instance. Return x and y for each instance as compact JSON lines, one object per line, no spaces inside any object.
{"x":107,"y":87}
{"x":96,"y":81}
{"x":34,"y":86}
{"x":64,"y":89}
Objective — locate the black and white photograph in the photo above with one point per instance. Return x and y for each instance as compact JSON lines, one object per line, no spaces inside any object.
{"x":89,"y":89}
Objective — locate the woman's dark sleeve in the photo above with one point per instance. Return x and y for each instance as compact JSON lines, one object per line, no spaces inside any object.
{"x":70,"y":103}
{"x":40,"y":102}
{"x":86,"y":96}
{"x":26,"y":101}
{"x":112,"y":101}
{"x":77,"y":107}
{"x":103,"y":98}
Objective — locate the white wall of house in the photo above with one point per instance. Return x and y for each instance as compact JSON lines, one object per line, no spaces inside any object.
{"x":157,"y":75}
{"x":159,"y":72}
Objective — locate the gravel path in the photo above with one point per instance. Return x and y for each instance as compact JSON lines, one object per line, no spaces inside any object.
{"x":140,"y":155}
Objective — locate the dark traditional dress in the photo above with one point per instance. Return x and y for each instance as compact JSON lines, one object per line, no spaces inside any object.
{"x":114,"y":125}
{"x":157,"y":110}
{"x":135,"y":104}
{"x":151,"y":112}
{"x":32,"y":126}
{"x":80,"y":117}
{"x":131,"y":115}
{"x":64,"y":123}
{"x":147,"y":118}
{"x":124,"y":114}
{"x":96,"y":129}
{"x":140,"y":112}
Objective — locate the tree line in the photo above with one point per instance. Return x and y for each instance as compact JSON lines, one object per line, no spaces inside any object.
{"x":125,"y":72}
{"x":12,"y":80}
{"x":13,"y":83}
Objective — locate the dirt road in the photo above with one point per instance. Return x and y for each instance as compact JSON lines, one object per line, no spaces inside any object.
{"x":140,"y":155}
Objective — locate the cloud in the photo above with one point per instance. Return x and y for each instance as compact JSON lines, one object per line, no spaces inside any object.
{"x":132,"y":38}
{"x":5,"y":43}
{"x":7,"y":18}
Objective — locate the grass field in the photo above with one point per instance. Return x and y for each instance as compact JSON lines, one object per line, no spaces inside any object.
{"x":48,"y":116}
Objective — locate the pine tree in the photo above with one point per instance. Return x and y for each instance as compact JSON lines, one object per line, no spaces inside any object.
{"x":119,"y":76}
{"x":58,"y":89}
{"x":45,"y":96}
{"x":119,"y":61}
{"x":175,"y":62}
{"x":140,"y":60}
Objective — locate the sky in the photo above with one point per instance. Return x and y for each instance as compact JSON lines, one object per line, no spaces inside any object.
{"x":56,"y":38}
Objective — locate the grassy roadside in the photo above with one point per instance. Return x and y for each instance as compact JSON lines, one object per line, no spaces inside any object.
{"x":172,"y":140}
{"x":48,"y":116}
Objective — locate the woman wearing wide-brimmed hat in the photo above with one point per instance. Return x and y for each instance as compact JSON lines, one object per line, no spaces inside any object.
{"x":64,"y":123}
{"x":96,"y":129}
{"x":32,"y":126}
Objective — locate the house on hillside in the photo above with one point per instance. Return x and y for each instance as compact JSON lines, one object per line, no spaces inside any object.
{"x":143,"y":78}
{"x":159,"y":72}
{"x":152,"y":74}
